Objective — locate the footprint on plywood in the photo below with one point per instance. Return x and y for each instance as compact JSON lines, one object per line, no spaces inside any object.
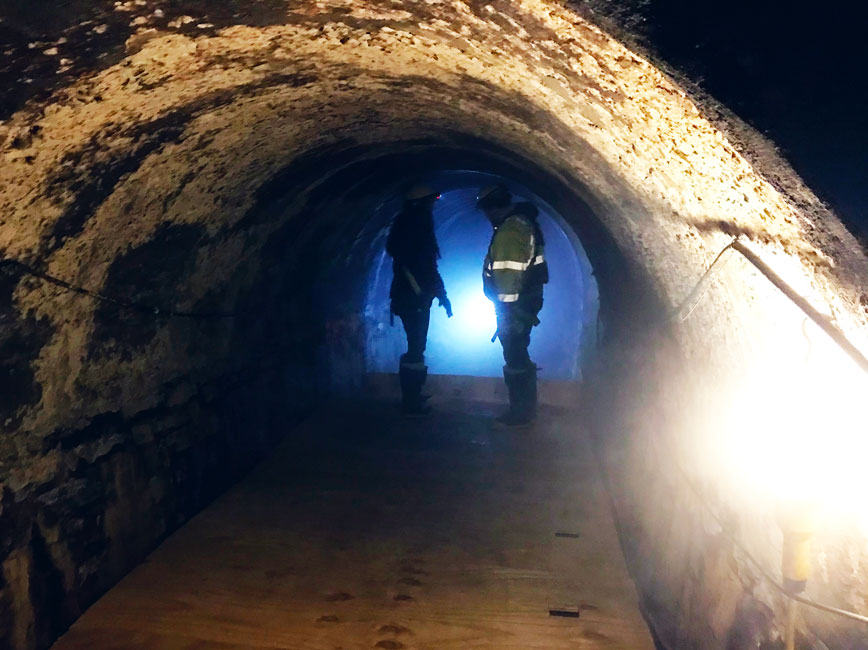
{"x":587,"y":607}
{"x":402,"y":598}
{"x":328,"y":618}
{"x":389,"y":644}
{"x":410,"y":581}
{"x":397,"y":630}
{"x":590,"y":635}
{"x":338,"y":596}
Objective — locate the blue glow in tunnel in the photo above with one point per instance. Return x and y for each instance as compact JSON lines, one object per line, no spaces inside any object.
{"x":462,"y":345}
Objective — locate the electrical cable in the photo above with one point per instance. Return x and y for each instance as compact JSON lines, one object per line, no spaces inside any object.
{"x":701,"y":283}
{"x":741,"y":547}
{"x":825,"y":608}
{"x":119,"y":302}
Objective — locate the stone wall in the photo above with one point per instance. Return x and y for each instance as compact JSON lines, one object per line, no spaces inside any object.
{"x":85,"y":501}
{"x":118,"y":485}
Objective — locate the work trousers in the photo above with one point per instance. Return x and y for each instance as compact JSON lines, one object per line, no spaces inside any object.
{"x":416,"y":327}
{"x":514,"y":335}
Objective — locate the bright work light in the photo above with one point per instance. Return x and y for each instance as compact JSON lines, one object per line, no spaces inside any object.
{"x":474,"y":314}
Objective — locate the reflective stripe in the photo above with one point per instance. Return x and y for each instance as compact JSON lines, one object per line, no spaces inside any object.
{"x":507,"y":297}
{"x":413,"y":284}
{"x":512,"y":266}
{"x":517,"y":266}
{"x":414,"y":365}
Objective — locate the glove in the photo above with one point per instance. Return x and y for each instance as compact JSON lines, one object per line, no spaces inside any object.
{"x":444,"y":302}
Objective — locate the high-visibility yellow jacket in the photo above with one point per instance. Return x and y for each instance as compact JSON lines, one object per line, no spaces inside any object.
{"x":515,"y":269}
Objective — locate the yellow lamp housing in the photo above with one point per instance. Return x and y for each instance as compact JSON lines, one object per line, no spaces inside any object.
{"x":798,"y":525}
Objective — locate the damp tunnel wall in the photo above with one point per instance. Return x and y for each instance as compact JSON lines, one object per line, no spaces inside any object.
{"x":209,"y":170}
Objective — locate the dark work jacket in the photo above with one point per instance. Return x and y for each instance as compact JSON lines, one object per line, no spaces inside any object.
{"x":414,"y":252}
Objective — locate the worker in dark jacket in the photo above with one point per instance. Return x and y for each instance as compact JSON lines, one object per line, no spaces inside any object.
{"x":415,"y":283}
{"x":513,"y":276}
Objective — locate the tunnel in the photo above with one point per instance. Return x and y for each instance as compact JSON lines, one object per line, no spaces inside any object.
{"x":566,"y":336}
{"x":193,"y":212}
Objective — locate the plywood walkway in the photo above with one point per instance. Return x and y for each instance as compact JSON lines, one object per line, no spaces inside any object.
{"x":368,"y":531}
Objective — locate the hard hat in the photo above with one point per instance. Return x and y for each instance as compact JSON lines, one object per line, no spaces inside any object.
{"x":419,"y":192}
{"x":526,"y":209}
{"x":491,"y":192}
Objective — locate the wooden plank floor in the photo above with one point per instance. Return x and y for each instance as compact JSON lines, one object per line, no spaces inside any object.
{"x":365,"y":530}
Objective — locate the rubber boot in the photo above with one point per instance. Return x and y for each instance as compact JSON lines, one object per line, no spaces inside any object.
{"x":413,"y":375}
{"x":527,"y":395}
{"x":521,"y":384}
{"x":531,"y":393}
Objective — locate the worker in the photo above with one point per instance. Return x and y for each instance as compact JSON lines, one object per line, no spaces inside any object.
{"x":415,"y":283}
{"x":513,"y":276}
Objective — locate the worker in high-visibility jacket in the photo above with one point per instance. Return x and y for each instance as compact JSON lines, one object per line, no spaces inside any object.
{"x":415,"y":283}
{"x":513,"y":276}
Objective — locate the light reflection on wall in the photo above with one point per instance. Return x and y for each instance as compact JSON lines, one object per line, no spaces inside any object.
{"x":462,"y":345}
{"x":788,"y":429}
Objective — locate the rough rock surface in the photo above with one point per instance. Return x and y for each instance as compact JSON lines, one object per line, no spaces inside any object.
{"x":215,"y":164}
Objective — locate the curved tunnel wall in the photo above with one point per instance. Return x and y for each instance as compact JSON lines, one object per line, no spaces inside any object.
{"x":218,"y":171}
